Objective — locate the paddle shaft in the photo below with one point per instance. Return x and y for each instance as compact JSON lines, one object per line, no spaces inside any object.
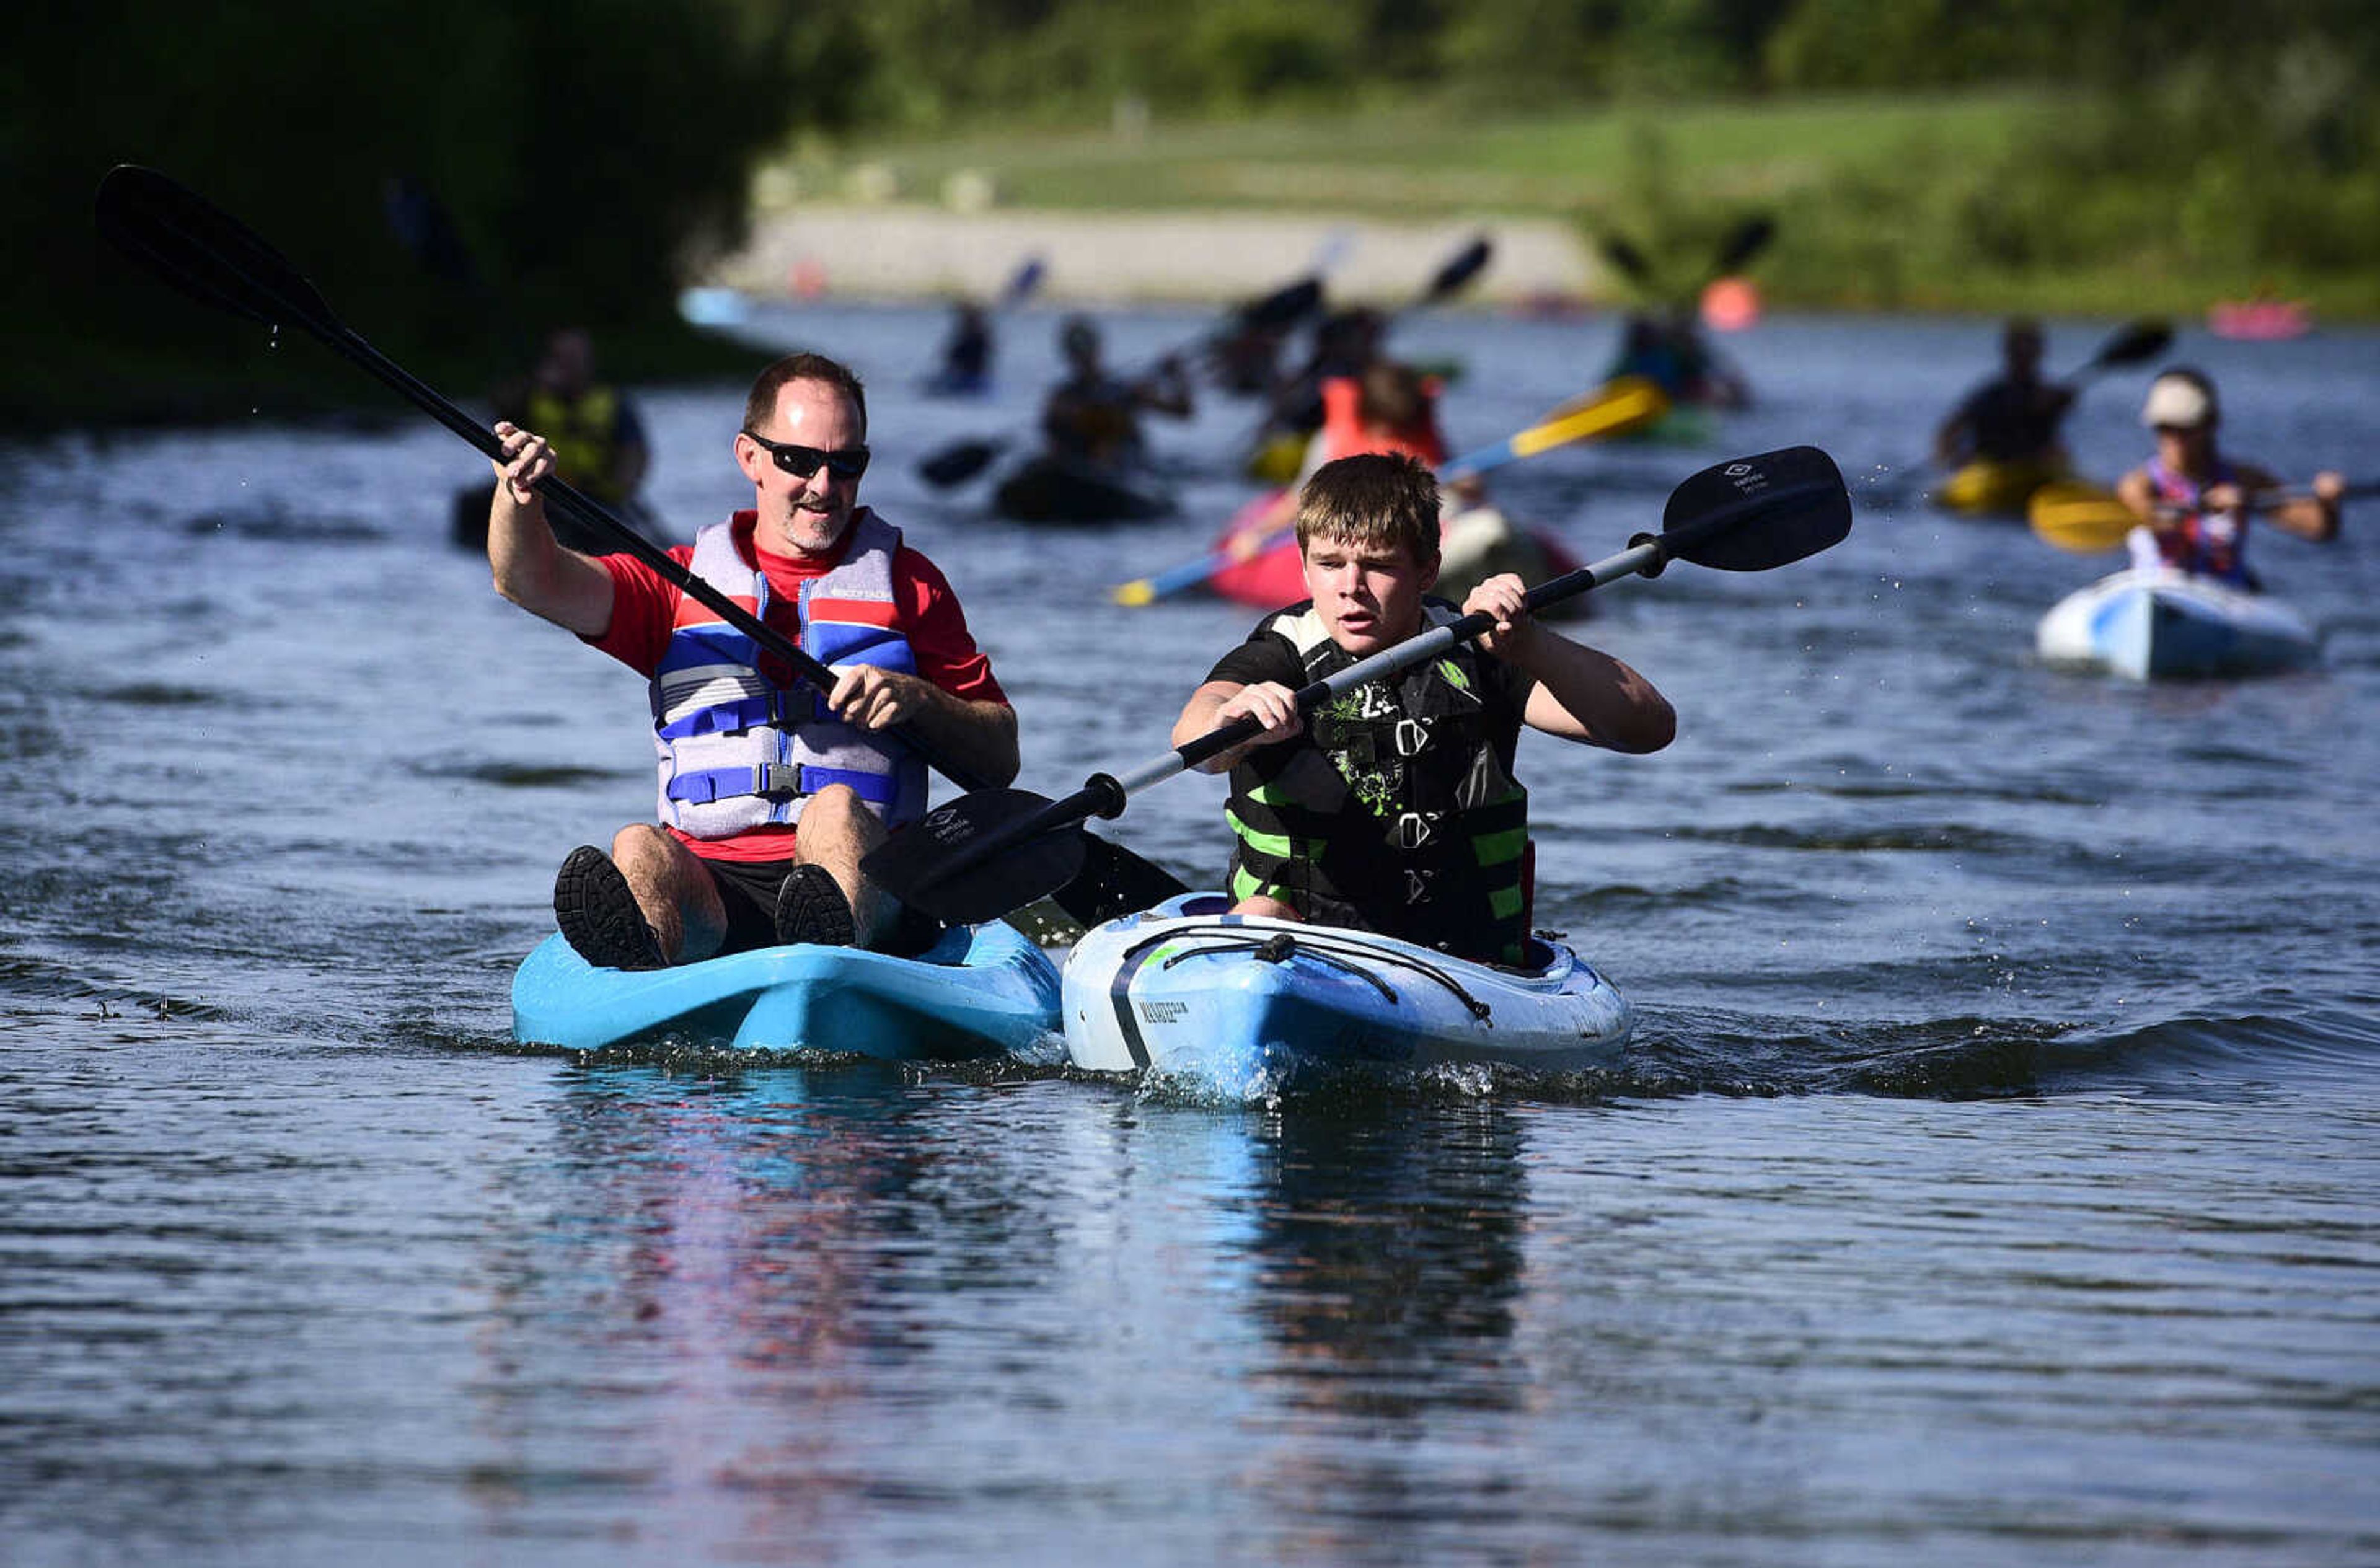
{"x":582,"y":509}
{"x":1104,"y":795}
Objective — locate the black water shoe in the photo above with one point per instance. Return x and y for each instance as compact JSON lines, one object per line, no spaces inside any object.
{"x":811,"y":907}
{"x":598,"y":913}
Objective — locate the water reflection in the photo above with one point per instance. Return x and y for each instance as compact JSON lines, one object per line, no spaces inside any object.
{"x":735,"y":1275}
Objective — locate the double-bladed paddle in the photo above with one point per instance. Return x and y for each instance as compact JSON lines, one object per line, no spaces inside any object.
{"x":987,"y":853}
{"x":1283,"y":416}
{"x":1626,"y":403}
{"x":962,"y":460}
{"x":1455,"y":274}
{"x":1746,"y":239}
{"x":2087,"y":519}
{"x":2128,"y":345}
{"x":219,"y":261}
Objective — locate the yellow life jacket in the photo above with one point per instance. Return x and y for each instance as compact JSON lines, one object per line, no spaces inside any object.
{"x":585,"y":437}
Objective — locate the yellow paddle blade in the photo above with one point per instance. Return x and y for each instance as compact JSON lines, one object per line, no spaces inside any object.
{"x":2081,"y":517}
{"x":1619,"y":405}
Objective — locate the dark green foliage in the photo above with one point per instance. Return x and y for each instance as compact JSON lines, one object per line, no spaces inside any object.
{"x":572,"y":154}
{"x":572,"y":157}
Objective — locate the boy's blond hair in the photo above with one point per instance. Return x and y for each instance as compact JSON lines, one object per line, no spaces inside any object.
{"x":1375,"y":499}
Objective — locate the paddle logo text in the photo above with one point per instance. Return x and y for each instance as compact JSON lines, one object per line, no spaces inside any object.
{"x":946,"y":826}
{"x":1746,"y":477}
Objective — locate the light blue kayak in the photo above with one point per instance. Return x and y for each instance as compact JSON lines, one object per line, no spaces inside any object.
{"x":1188,"y":990}
{"x":979,"y":992}
{"x":2155,"y":624}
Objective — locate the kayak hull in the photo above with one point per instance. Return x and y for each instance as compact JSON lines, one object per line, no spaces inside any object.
{"x":1048,"y":490}
{"x":1190,"y":991}
{"x":1983,"y":488}
{"x":2158,"y":625}
{"x":980,"y":991}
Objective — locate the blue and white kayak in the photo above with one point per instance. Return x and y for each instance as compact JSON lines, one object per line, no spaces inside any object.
{"x":1188,"y":990}
{"x":980,"y":991}
{"x":2151,"y":623}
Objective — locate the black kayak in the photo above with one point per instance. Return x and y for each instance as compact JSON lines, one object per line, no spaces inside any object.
{"x":1048,"y":489}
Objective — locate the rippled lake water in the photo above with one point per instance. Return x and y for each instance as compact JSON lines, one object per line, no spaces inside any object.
{"x":1992,"y":1180}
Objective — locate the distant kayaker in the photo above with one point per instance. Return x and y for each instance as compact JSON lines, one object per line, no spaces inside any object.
{"x":1667,"y":348}
{"x":1396,"y":809}
{"x":1385,"y":407}
{"x":1245,"y":358}
{"x":1346,"y":344}
{"x":769,"y":793}
{"x":2014,"y":416}
{"x":1093,"y":416}
{"x":966,"y":354}
{"x":597,"y":437}
{"x":2194,"y":505}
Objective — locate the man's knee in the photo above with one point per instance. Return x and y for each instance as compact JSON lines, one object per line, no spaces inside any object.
{"x":836,"y":816}
{"x":642,"y":843}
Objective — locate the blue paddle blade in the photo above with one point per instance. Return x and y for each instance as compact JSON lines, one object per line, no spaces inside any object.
{"x":1022,"y":286}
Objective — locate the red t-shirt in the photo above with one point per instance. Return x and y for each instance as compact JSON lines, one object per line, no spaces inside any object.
{"x":644,"y":610}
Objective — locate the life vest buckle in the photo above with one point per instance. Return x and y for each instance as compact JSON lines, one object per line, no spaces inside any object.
{"x":1412,"y":736}
{"x":1415,"y":829}
{"x":777,"y":781}
{"x":1418,"y":885}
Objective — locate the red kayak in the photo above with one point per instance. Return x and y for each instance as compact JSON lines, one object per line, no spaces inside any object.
{"x":1476,"y":544}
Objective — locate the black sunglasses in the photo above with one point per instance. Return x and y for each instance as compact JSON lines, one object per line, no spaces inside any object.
{"x":843,"y":463}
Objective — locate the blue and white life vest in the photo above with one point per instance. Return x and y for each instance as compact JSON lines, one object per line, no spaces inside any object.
{"x":737,"y":752}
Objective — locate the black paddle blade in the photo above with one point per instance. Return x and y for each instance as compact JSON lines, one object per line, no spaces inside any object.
{"x":1459,"y":269}
{"x":1627,"y":259}
{"x":1749,"y":238}
{"x":1114,"y":883}
{"x":1284,"y":307}
{"x":2133,"y":342}
{"x":922,"y":865}
{"x":204,"y":251}
{"x":1751,"y":513}
{"x":958,"y":463}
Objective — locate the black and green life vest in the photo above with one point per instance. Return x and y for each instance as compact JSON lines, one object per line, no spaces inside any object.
{"x":1394,"y":813}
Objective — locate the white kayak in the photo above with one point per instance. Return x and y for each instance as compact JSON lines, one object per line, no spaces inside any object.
{"x":2151,"y":623}
{"x":1190,"y":990}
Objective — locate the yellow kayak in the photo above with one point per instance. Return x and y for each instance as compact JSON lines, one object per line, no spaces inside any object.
{"x":1985,"y":487}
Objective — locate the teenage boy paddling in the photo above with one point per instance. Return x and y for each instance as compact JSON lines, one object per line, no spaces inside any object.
{"x":1396,"y":809}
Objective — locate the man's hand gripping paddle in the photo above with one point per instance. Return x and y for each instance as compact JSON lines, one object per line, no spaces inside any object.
{"x":219,"y":261}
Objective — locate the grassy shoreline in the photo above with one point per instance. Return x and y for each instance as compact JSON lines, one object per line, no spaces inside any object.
{"x":1882,"y":203}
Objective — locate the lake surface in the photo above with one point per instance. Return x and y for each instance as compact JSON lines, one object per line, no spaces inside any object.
{"x":1994,"y":1177}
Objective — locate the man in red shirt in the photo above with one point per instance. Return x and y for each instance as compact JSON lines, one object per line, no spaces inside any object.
{"x":770,"y":793}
